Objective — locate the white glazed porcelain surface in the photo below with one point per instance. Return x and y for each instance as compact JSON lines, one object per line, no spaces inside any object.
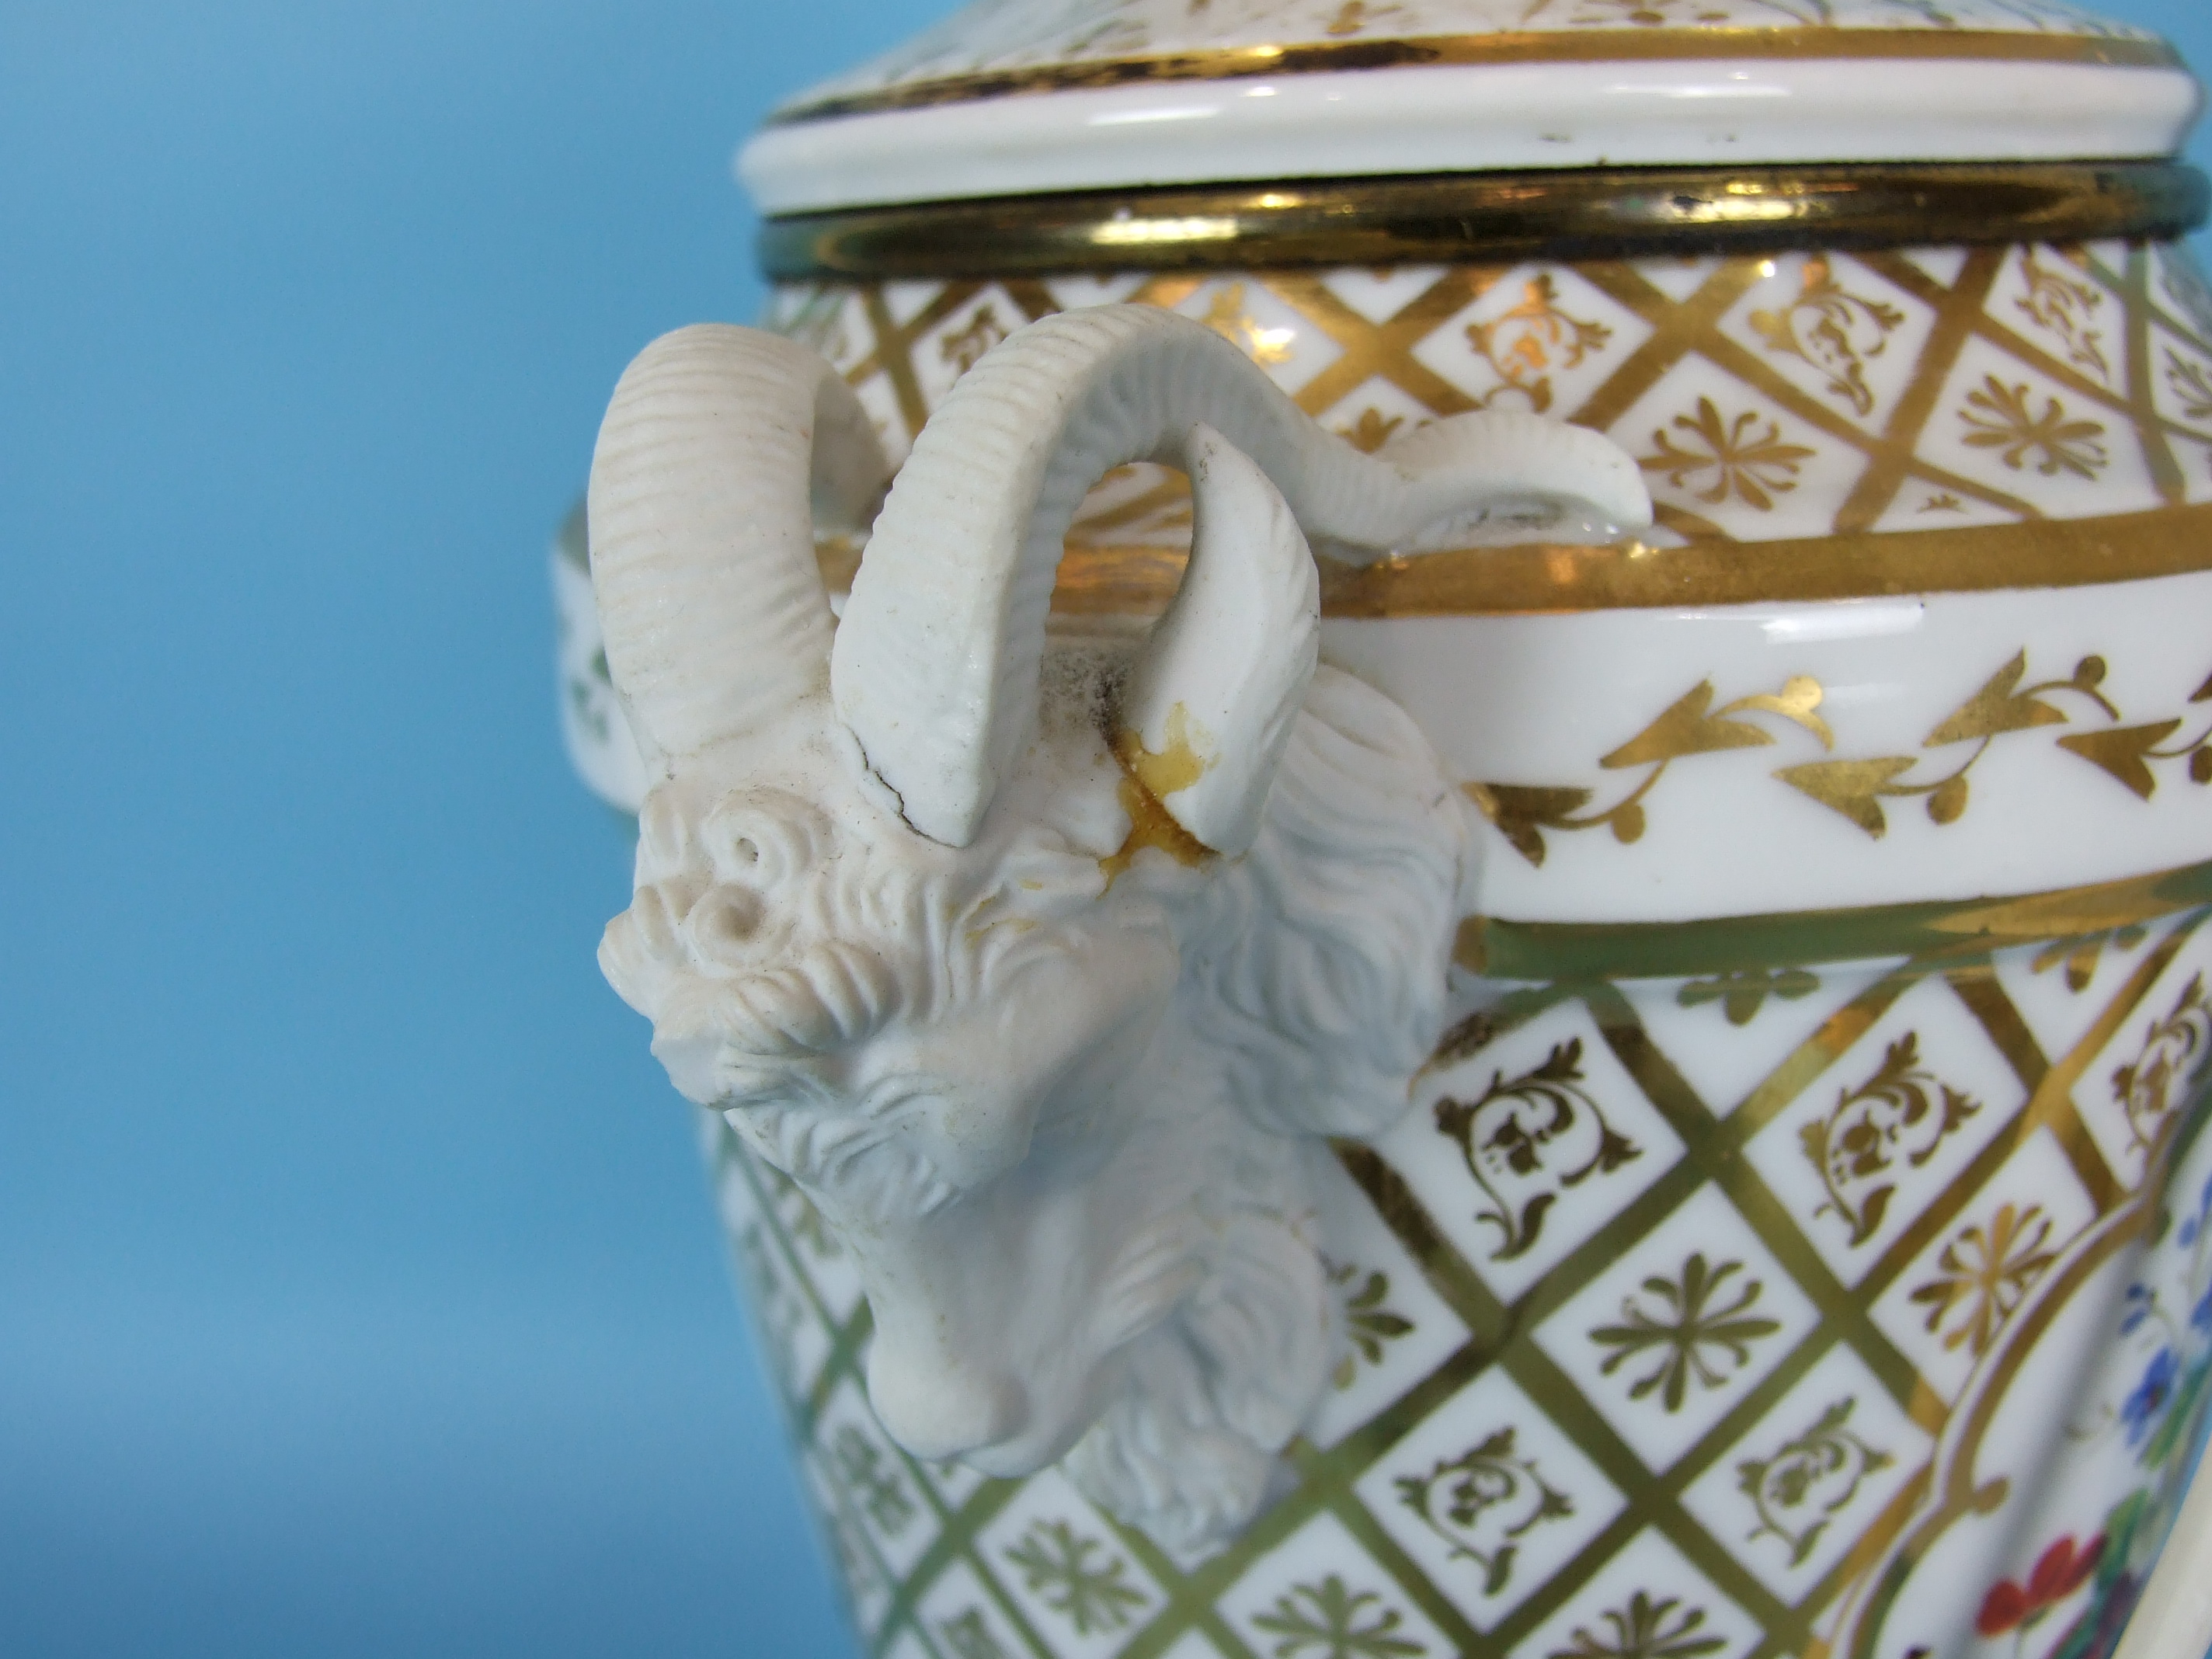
{"x":1768,"y":401}
{"x":1767,"y":398}
{"x":1740,"y":1310}
{"x":1004,"y":35}
{"x":1419,"y":120}
{"x":1726,"y":832}
{"x":1566,"y":83}
{"x":1762,"y":1308}
{"x":1954,"y":1422}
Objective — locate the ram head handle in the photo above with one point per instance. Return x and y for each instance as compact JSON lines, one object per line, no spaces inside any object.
{"x":1043,"y":972}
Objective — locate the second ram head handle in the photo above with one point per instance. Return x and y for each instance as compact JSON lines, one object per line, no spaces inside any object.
{"x":1043,"y":972}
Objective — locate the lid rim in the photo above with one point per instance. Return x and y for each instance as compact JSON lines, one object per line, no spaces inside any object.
{"x":1444,"y":118}
{"x":1487,"y":50}
{"x":1586,"y":213}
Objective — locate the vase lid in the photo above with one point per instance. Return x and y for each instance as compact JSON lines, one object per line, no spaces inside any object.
{"x":1023,"y":97}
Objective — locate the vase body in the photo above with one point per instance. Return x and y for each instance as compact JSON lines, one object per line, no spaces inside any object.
{"x":1798,"y":1243}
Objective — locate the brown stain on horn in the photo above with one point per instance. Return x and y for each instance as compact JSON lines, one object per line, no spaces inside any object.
{"x":1146,"y":776}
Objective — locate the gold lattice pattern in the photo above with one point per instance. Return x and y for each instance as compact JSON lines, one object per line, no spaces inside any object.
{"x":1677,"y":1314}
{"x":1765,"y":398}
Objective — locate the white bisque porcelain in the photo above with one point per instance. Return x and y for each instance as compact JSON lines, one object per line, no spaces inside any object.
{"x":1056,"y":1070}
{"x":1461,"y":956}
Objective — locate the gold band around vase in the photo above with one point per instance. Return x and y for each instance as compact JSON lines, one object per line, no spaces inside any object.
{"x":1510,"y":47}
{"x":1568,"y":214}
{"x":2039,"y":553}
{"x":1945,"y":932}
{"x":1542,"y":580}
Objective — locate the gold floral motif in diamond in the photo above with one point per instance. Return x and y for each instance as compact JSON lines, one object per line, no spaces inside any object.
{"x":1984,"y":1273}
{"x":2002,"y":417}
{"x":1525,"y":344}
{"x":1371,"y":430}
{"x":872,"y":1480}
{"x":2062,"y":306}
{"x":1114,"y":37}
{"x":2150,"y":1087}
{"x":1639,"y":14}
{"x":1698,"y":1329}
{"x":1076,"y":1576}
{"x":1482,"y":1502}
{"x":1369,"y":1323}
{"x":1836,"y":331}
{"x":1649,"y":1627}
{"x":966,"y":1636}
{"x":1690,"y":726}
{"x":1543,"y":1122}
{"x":1803,"y":1485}
{"x":1902,"y":1110}
{"x":1727,"y":457}
{"x":2190,"y":384}
{"x":1354,"y":15}
{"x":1803,"y":1492}
{"x":1331,"y":1620}
{"x":964,"y":348}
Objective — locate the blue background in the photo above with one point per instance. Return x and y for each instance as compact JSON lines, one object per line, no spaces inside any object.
{"x":359,"y":1293}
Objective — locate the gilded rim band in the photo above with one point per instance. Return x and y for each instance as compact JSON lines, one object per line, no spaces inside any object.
{"x":1539,"y":580}
{"x":1570,"y":214}
{"x":1944,"y":933}
{"x":1530,"y":47}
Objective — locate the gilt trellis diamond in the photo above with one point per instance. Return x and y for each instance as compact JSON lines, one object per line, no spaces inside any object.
{"x":1320,"y":1592}
{"x":1951,"y":1305}
{"x":1523,"y":1144}
{"x":1491,"y":1497}
{"x":1856,"y":1402}
{"x":1942,"y":364}
{"x":2078,"y":1063}
{"x":1648,"y":1600}
{"x":1682,"y":1327}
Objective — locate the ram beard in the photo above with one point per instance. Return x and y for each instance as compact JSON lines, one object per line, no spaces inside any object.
{"x":1188,"y":1451}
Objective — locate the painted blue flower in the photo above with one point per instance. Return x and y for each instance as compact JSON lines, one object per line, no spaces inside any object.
{"x":2152,"y":1395}
{"x":2200,"y":1316}
{"x":2190,"y":1228}
{"x":2135,"y":1307}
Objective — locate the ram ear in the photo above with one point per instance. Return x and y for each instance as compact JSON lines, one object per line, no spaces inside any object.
{"x":1211,"y":700}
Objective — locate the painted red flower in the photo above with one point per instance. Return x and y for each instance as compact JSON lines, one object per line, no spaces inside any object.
{"x":2058,"y":1573}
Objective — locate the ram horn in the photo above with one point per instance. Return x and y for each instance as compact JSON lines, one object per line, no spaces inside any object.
{"x":935,"y":666}
{"x":1210,"y":700}
{"x":722,"y":449}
